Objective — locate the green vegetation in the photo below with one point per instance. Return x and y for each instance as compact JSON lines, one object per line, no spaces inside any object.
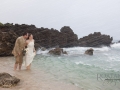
{"x":1,"y":24}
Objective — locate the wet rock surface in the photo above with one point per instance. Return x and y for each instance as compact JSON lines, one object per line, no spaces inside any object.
{"x":89,"y":51}
{"x":57,"y":51}
{"x":8,"y":81}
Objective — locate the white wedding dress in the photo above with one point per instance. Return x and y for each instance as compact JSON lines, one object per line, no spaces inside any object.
{"x":29,"y":54}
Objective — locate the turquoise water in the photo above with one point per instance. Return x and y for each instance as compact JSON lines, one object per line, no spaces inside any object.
{"x":98,"y":72}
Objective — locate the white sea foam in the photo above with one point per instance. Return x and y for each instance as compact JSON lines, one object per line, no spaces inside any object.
{"x":116,"y":45}
{"x":80,"y":62}
{"x":102,"y":49}
{"x":76,"y":50}
{"x":81,"y":50}
{"x":103,"y":57}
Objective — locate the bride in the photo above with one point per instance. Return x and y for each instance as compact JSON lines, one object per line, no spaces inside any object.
{"x":30,"y":53}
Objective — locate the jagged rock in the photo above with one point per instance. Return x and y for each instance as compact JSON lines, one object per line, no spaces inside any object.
{"x":89,"y":51}
{"x":66,"y":29}
{"x":7,"y":81}
{"x":70,"y":37}
{"x":57,"y":51}
{"x":44,"y":37}
{"x":48,"y":38}
{"x":95,"y":40}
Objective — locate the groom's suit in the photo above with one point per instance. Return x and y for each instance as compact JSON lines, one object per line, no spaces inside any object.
{"x":19,"y":46}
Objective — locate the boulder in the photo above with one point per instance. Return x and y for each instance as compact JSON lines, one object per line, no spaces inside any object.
{"x":95,"y":40}
{"x":57,"y":51}
{"x":89,"y":51}
{"x":7,"y":81}
{"x":43,"y":48}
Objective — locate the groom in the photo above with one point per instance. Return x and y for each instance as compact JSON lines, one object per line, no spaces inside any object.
{"x":17,"y":51}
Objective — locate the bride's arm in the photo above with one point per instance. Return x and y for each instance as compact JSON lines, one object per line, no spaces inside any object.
{"x":34,"y":50}
{"x":34,"y":47}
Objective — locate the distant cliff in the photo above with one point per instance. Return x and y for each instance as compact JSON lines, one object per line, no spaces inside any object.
{"x":95,"y":40}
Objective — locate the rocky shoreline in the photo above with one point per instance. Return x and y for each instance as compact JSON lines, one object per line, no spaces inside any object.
{"x":48,"y":38}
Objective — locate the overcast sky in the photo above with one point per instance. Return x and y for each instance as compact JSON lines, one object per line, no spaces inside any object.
{"x":83,"y":16}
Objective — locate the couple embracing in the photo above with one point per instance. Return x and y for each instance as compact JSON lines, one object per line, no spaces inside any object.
{"x":26,"y":40}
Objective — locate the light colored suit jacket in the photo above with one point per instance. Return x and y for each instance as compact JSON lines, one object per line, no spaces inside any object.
{"x":19,"y":46}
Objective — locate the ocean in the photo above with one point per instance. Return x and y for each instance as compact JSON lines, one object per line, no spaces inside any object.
{"x":98,"y":72}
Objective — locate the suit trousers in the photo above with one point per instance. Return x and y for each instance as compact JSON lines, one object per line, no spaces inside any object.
{"x":19,"y":59}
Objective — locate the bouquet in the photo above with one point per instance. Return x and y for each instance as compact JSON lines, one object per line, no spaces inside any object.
{"x":25,"y":51}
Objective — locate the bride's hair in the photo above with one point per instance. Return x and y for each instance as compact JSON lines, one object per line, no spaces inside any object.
{"x":29,"y":35}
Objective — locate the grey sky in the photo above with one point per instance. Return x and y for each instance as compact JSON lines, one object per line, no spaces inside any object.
{"x":83,"y":16}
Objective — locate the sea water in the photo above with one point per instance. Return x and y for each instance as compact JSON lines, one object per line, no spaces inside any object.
{"x":98,"y":72}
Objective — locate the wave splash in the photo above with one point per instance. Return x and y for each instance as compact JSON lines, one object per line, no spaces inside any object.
{"x":115,"y":45}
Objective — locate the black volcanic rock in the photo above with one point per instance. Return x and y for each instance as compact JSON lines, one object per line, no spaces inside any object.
{"x":8,"y":81}
{"x":89,"y":51}
{"x":7,"y":40}
{"x":71,"y":38}
{"x":66,"y":29}
{"x":57,"y":51}
{"x":95,"y":40}
{"x":47,"y":38}
{"x":44,"y":37}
